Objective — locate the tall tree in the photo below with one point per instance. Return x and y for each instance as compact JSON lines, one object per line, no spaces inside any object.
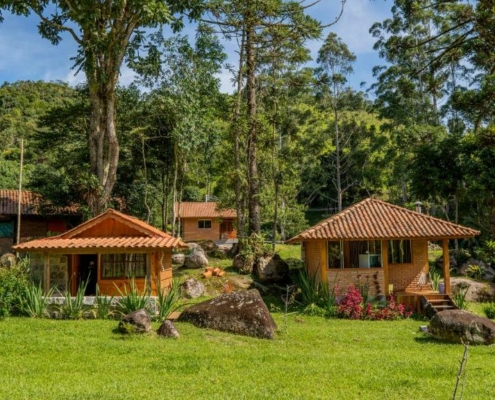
{"x":105,"y":32}
{"x":335,"y":65}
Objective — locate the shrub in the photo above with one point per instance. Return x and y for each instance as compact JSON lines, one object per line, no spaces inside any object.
{"x":13,"y":282}
{"x":353,"y":307}
{"x":459,"y":296}
{"x":489,"y":310}
{"x":487,"y":252}
{"x":475,"y":271}
{"x":434,"y":278}
{"x":314,"y":292}
{"x":104,"y":308}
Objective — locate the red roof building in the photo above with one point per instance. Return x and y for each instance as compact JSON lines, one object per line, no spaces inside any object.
{"x":205,"y":221}
{"x":378,"y":244}
{"x":108,"y":250}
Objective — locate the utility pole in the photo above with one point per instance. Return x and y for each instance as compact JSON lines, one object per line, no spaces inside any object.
{"x":18,"y":238}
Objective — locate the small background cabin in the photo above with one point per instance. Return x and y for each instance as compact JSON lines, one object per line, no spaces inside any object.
{"x":108,"y":250}
{"x":38,"y":219}
{"x":380,"y":245}
{"x":204,"y":221}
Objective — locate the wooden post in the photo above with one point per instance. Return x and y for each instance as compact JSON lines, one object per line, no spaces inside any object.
{"x":385,"y":266}
{"x":324,"y":261}
{"x":148,"y":270}
{"x":46,"y":272}
{"x":446,"y":265}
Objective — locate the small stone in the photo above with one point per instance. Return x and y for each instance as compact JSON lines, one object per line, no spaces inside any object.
{"x":168,"y":329}
{"x":135,"y":322}
{"x":192,"y":288}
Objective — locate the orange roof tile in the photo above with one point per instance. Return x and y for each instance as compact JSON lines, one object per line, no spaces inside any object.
{"x":203,"y":210}
{"x":31,"y":204}
{"x":151,"y":238}
{"x":376,"y":219}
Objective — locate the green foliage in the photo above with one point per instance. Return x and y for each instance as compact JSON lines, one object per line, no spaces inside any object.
{"x":33,"y":302}
{"x":13,"y":282}
{"x":104,"y":306}
{"x":475,"y":271}
{"x":74,"y":308}
{"x":459,"y":296}
{"x":434,"y":278}
{"x":167,"y":299}
{"x":315,"y":295}
{"x":487,"y":252}
{"x":489,"y":310}
{"x":132,"y":300}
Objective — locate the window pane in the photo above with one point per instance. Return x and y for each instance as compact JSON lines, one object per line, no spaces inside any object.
{"x":123,"y":265}
{"x":6,"y":229}
{"x":399,"y":252}
{"x":335,"y":254}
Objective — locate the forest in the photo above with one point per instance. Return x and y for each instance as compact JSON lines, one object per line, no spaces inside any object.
{"x":294,"y":142}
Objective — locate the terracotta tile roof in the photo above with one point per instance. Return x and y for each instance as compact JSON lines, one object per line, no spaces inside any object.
{"x":204,"y":210}
{"x":31,"y":204}
{"x":376,"y":219}
{"x":70,"y":241}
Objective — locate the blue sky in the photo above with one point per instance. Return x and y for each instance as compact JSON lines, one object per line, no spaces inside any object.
{"x":24,"y":55}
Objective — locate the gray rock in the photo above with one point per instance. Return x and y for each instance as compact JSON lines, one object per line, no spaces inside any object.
{"x":272,"y":269}
{"x":460,"y":326}
{"x":193,"y":247}
{"x":241,"y":313}
{"x":168,"y":329}
{"x":192,"y":288}
{"x":178,"y":258}
{"x":135,"y":322}
{"x":7,"y":260}
{"x":243,"y":263}
{"x":197,"y":259}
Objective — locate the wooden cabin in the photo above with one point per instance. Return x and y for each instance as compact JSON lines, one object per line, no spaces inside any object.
{"x":205,"y":221}
{"x":380,"y":245}
{"x":108,"y":250}
{"x":38,"y":218}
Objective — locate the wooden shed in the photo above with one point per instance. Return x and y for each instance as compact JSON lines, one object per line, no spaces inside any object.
{"x":205,"y":221}
{"x":381,"y":245}
{"x":108,"y":250}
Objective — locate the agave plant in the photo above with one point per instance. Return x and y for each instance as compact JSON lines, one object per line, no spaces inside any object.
{"x":132,"y":300}
{"x":74,"y":308}
{"x":167,"y":299}
{"x":104,"y":305}
{"x":32,"y":302}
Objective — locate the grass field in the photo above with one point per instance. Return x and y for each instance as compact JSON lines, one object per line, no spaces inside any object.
{"x":315,"y":358}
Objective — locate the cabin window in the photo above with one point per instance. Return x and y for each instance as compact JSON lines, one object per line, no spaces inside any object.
{"x":335,"y":251}
{"x":399,"y":252}
{"x":123,"y":265}
{"x":204,"y":224}
{"x":6,"y":229}
{"x":354,"y":254}
{"x":365,"y":254}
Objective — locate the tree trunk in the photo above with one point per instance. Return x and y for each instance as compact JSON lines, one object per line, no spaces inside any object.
{"x":237,"y":152}
{"x":337,"y":158}
{"x":253,"y":190}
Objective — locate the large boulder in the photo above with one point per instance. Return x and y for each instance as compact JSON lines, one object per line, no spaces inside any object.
{"x":208,"y":245}
{"x":460,"y":326}
{"x":135,"y":322}
{"x":168,"y":329}
{"x":197,"y":259}
{"x":476,"y":291}
{"x":271,"y":269}
{"x":192,"y":288}
{"x":178,"y":258}
{"x":242,"y":313}
{"x":243,"y":263}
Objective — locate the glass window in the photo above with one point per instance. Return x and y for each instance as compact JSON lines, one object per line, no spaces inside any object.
{"x":204,"y":224}
{"x":123,"y":265}
{"x":335,"y":254}
{"x":365,"y":254}
{"x":399,"y":252}
{"x":6,"y":229}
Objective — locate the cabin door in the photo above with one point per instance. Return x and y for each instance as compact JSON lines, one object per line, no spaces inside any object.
{"x":226,"y":227}
{"x":88,"y":272}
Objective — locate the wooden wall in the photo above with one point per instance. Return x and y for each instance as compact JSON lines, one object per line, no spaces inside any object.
{"x":191,"y":232}
{"x":405,"y":277}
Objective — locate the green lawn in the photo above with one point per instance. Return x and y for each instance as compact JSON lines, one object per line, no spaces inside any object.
{"x":316,"y":358}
